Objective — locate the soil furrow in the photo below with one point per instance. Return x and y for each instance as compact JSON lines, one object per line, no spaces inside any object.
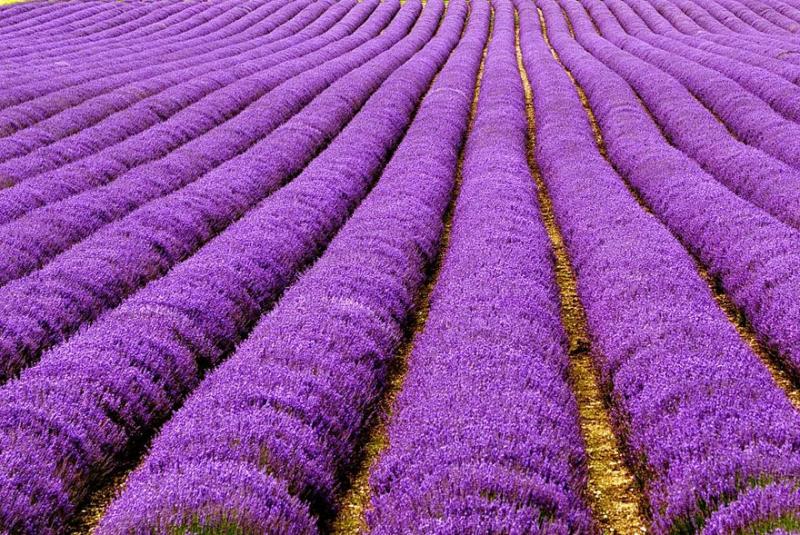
{"x":612,"y":491}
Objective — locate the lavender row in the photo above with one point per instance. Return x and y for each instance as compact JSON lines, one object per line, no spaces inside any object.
{"x":752,"y":254}
{"x":157,"y":21}
{"x":783,"y":50}
{"x":687,"y":25}
{"x":44,"y":308}
{"x":788,"y":9}
{"x":233,"y":119}
{"x":704,"y":422}
{"x":737,"y":17}
{"x":750,"y":119}
{"x":750,"y":279}
{"x":72,"y":17}
{"x":703,"y":18}
{"x":662,"y":15}
{"x":136,"y":28}
{"x":696,"y":23}
{"x":783,"y":24}
{"x":484,"y":437}
{"x":778,"y":13}
{"x":55,"y":25}
{"x":296,"y":432}
{"x":772,"y":509}
{"x":91,"y":55}
{"x":107,"y":21}
{"x":711,"y":49}
{"x":35,"y":51}
{"x":111,"y":73}
{"x":32,"y":241}
{"x":30,"y":15}
{"x":66,"y":17}
{"x":755,"y":176}
{"x":25,"y":104}
{"x":782,"y":95}
{"x":19,"y":16}
{"x":727,"y":18}
{"x":748,"y":21}
{"x":663,"y":25}
{"x":194,"y":159}
{"x":729,"y":25}
{"x":72,"y":417}
{"x":693,"y":16}
{"x":85,"y":129}
{"x":233,"y":19}
{"x":761,"y":17}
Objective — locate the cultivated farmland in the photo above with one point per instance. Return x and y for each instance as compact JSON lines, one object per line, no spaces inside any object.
{"x":371,"y":266}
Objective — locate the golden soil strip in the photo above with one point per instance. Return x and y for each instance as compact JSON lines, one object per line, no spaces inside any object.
{"x":598,"y":136}
{"x":98,"y":501}
{"x":613,"y":493}
{"x":355,"y":502}
{"x":566,"y":19}
{"x":770,"y":359}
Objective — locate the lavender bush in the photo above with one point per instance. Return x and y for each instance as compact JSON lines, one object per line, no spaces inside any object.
{"x":485,"y":436}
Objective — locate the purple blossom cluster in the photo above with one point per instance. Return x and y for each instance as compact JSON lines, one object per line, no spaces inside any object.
{"x":484,"y":437}
{"x":772,"y":509}
{"x":705,"y":425}
{"x":293,"y":400}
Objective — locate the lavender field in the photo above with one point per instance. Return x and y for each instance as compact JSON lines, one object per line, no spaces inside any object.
{"x":372,"y":266}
